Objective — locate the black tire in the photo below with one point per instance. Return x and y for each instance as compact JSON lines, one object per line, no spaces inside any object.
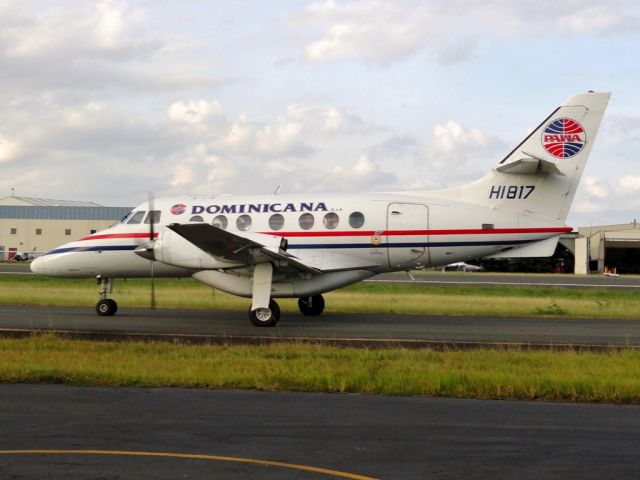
{"x":311,"y":306}
{"x":106,"y":307}
{"x":265,"y":317}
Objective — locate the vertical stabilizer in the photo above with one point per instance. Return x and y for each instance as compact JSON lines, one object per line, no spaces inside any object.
{"x":541,"y":175}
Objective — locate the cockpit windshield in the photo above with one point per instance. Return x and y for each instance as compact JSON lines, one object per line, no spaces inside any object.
{"x":153,"y":217}
{"x":136,"y":217}
{"x":126,"y":217}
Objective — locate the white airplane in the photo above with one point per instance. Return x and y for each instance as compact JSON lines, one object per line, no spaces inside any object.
{"x":461,"y":267}
{"x":300,"y":246}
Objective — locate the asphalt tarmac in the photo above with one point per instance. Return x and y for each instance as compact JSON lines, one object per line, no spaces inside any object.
{"x":409,"y":330}
{"x":110,"y":433}
{"x":61,"y":432}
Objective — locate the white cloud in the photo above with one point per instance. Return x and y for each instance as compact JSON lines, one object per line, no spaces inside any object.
{"x":104,"y":29}
{"x":8,"y":149}
{"x":122,"y":96}
{"x":598,"y":18}
{"x":84,"y":46}
{"x":630,"y":183}
{"x":282,"y":139}
{"x":595,"y":188}
{"x":378,"y":31}
{"x":200,"y":172}
{"x":291,"y":134}
{"x":365,"y":172}
{"x":384,"y":31}
{"x":585,"y":206}
{"x":193,"y":112}
{"x":459,"y":153}
{"x":451,"y":137}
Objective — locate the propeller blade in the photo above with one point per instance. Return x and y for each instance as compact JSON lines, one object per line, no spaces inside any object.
{"x":153,"y":287}
{"x":152,"y":217}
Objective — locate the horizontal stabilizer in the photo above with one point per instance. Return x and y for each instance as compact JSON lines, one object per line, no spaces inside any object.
{"x":530,"y":166}
{"x":543,"y":248}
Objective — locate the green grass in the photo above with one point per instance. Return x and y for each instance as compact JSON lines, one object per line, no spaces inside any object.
{"x":532,"y":375}
{"x":518,"y":374}
{"x":364,"y":297}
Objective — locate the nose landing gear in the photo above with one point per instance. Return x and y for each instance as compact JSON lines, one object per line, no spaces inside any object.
{"x":105,"y":306}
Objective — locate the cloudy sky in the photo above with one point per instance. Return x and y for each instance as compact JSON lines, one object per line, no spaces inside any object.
{"x":107,"y":101}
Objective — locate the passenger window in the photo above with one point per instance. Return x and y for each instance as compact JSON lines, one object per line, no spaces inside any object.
{"x":276,"y":221}
{"x":153,"y":216}
{"x":356,"y":219}
{"x":306,"y":221}
{"x":243,"y":222}
{"x":196,"y":218}
{"x":330,"y":220}
{"x":220,"y":221}
{"x":137,"y":217}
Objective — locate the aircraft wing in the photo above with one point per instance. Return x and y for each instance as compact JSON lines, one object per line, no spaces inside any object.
{"x":253,"y":248}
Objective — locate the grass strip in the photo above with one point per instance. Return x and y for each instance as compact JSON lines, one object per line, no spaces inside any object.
{"x":359,"y":298}
{"x":612,"y":377}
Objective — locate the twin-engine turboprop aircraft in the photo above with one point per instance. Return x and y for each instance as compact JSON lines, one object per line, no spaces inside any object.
{"x":300,"y":246}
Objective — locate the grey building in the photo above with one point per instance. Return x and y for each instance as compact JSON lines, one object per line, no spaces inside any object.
{"x":38,"y":224}
{"x":608,"y":247}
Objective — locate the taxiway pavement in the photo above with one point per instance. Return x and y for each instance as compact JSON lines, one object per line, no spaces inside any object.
{"x":217,"y":325}
{"x":341,"y":436}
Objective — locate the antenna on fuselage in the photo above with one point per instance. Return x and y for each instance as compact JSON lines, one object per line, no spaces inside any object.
{"x":277,"y":189}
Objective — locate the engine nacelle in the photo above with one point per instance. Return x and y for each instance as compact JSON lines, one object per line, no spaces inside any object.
{"x":238,"y":284}
{"x":174,"y":249}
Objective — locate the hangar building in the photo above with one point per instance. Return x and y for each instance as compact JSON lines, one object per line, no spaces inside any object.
{"x":38,"y":224}
{"x":608,"y":247}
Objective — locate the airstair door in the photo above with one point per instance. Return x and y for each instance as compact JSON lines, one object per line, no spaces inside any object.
{"x":408,"y":235}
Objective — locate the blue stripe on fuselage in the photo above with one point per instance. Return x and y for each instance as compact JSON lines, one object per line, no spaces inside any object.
{"x":98,"y":248}
{"x":320,"y":246}
{"x":408,"y":245}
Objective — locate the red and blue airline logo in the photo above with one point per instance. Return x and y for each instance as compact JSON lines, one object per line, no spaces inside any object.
{"x":178,"y":209}
{"x":563,"y":138}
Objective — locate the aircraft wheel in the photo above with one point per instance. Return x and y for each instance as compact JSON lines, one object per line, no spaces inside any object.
{"x":265,"y":317}
{"x":311,"y":305}
{"x":106,"y":307}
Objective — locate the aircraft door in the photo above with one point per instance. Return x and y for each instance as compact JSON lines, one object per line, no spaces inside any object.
{"x":407,"y":235}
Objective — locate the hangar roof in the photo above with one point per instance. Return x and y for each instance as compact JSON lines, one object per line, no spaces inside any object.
{"x":45,"y":202}
{"x":48,"y":209}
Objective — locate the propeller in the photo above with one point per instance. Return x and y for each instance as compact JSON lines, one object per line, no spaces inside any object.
{"x":152,"y":239}
{"x":146,"y":250}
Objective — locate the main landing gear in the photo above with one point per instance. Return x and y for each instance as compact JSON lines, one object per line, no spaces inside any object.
{"x":266,"y":316}
{"x":264,"y":311}
{"x":311,"y":306}
{"x":269,"y":316}
{"x":105,"y":306}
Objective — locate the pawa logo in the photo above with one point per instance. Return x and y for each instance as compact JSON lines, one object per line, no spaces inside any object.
{"x":563,"y":138}
{"x":178,"y":209}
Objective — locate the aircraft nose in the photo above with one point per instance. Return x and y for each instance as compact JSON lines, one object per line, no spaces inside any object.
{"x":36,"y":265}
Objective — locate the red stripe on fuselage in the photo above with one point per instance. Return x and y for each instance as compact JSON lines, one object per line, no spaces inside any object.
{"x":118,"y":235}
{"x":366,"y":233}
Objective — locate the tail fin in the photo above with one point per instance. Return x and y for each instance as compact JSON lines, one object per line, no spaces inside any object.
{"x":540,"y":176}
